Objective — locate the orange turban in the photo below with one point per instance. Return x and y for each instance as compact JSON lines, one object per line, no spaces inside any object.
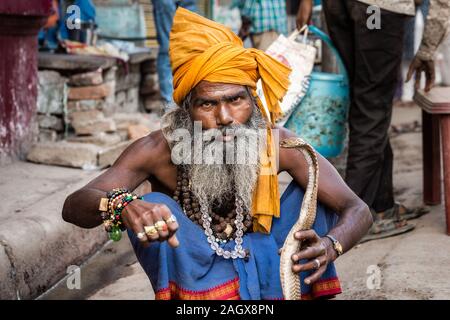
{"x":201,"y":49}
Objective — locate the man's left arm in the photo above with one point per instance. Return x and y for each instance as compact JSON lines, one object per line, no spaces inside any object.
{"x":434,"y":32}
{"x":354,"y":220}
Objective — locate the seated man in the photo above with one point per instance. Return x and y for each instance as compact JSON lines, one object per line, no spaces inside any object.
{"x":212,"y":230}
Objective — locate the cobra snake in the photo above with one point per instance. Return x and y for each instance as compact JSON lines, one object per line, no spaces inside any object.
{"x":290,"y":282}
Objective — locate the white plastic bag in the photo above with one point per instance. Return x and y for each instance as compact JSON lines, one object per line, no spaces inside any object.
{"x":300,"y":58}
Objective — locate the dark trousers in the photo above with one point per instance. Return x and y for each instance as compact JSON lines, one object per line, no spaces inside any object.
{"x":372,"y":59}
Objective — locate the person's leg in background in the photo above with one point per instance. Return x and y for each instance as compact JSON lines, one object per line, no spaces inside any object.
{"x":163,"y":12}
{"x":372,"y":67}
{"x":340,"y":29}
{"x":378,"y":55}
{"x":188,"y":4}
{"x":372,"y":59}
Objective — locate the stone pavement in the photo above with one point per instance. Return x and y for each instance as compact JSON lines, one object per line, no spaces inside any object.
{"x":36,"y":245}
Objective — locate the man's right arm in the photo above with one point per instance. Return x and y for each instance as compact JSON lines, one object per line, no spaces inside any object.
{"x":132,"y":167}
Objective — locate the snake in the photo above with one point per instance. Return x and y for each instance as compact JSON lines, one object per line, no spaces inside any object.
{"x":290,"y":282}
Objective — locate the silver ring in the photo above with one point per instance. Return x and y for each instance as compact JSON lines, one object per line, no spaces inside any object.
{"x":171,"y":219}
{"x":142,"y":236}
{"x":317,"y":262}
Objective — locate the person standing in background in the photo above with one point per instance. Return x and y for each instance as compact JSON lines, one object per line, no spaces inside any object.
{"x":262,"y":20}
{"x":163,"y":12}
{"x":373,"y":57}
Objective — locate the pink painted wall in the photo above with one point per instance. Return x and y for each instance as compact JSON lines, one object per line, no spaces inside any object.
{"x":20,"y":21}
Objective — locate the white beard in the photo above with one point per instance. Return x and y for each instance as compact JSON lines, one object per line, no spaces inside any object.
{"x":217,"y":184}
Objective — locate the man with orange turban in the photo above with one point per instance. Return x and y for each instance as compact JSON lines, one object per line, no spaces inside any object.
{"x":215,"y":192}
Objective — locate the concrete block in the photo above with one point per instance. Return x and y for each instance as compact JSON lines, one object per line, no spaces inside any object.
{"x":132,"y":102}
{"x":51,"y":92}
{"x":94,"y":126}
{"x":110,"y":74}
{"x":86,"y":116}
{"x":121,"y":98}
{"x":63,"y":153}
{"x":90,"y":92}
{"x":86,"y":79}
{"x":50,"y":122}
{"x":124,"y":120}
{"x":100,"y":139}
{"x":149,"y":85}
{"x":47,"y":135}
{"x":111,"y":96}
{"x":84,"y":105}
{"x":128,"y":81}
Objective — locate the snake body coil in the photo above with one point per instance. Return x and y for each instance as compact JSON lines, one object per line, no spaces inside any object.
{"x":290,"y":282}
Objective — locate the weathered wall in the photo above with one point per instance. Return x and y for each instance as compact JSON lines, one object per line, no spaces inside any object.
{"x":20,"y":21}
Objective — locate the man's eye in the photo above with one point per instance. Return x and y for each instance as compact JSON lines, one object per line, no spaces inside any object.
{"x":206,"y":105}
{"x":236,"y":99}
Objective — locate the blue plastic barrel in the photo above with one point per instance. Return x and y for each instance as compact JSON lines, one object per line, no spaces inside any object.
{"x":321,"y":117}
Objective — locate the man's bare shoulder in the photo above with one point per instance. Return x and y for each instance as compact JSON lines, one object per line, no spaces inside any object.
{"x":286,"y":156}
{"x":155,"y":142}
{"x":147,"y":153}
{"x":284,"y":133}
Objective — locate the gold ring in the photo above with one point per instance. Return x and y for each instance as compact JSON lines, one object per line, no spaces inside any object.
{"x":171,"y":219}
{"x":150,"y":230}
{"x":161,"y":225}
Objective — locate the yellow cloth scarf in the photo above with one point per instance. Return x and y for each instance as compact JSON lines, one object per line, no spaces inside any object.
{"x":201,"y":49}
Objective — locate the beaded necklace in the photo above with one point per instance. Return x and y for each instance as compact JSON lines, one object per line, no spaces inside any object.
{"x":224,"y":229}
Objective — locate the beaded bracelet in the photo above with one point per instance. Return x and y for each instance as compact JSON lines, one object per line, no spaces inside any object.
{"x":118,"y":199}
{"x":113,"y":195}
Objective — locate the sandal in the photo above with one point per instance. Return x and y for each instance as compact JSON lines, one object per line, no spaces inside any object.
{"x":399,"y":212}
{"x":384,"y":228}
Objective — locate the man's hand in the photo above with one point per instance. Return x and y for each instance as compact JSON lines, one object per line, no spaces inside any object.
{"x":418,"y":66}
{"x":304,"y":13}
{"x":313,"y":249}
{"x":244,"y":32}
{"x":139,"y":214}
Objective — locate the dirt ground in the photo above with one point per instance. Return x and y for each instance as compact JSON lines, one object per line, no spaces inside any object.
{"x":414,"y":265}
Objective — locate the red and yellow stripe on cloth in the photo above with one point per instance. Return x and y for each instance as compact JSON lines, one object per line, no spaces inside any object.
{"x":227,"y":291}
{"x":230,"y":291}
{"x":323,"y":289}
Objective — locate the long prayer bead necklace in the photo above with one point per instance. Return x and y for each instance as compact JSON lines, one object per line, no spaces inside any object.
{"x":230,"y":227}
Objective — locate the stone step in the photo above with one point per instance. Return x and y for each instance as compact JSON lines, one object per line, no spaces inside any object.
{"x":76,"y":154}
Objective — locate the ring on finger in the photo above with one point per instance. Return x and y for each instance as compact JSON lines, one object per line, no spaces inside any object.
{"x":317,"y":263}
{"x":171,"y":219}
{"x":141,"y":236}
{"x":150,"y":230}
{"x":161,"y":226}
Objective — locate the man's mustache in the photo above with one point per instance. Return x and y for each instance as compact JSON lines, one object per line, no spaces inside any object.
{"x":232,"y":129}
